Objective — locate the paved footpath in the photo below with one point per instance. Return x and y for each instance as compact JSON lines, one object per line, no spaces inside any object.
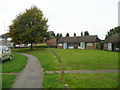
{"x":31,"y":76}
{"x":85,"y":71}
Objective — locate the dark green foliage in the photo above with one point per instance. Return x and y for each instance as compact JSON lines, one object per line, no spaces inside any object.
{"x":67,"y":35}
{"x":74,"y":34}
{"x":61,"y":35}
{"x":29,"y":27}
{"x":99,"y":46}
{"x":86,"y":33}
{"x":81,"y":33}
{"x":115,"y":30}
{"x":58,"y":36}
{"x":51,"y":33}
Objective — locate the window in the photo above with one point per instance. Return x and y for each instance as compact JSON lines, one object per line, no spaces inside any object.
{"x":89,"y":44}
{"x":60,"y":44}
{"x":71,"y":44}
{"x":4,"y":49}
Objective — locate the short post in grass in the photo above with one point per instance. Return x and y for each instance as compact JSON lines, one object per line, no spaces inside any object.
{"x":66,"y":86}
{"x":62,"y":75}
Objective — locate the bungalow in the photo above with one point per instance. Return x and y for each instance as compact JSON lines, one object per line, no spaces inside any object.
{"x":79,"y":42}
{"x":112,"y":43}
{"x":52,"y":42}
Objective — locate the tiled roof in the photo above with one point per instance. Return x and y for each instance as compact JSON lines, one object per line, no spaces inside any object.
{"x":115,"y":38}
{"x":77,"y":39}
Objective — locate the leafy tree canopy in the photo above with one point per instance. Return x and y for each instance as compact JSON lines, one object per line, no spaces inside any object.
{"x":29,"y":27}
{"x":115,"y":30}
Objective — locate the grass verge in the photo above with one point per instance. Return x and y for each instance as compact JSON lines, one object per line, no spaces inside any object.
{"x":8,"y":80}
{"x":83,"y":80}
{"x":73,"y":59}
{"x":16,"y":65}
{"x":47,"y":59}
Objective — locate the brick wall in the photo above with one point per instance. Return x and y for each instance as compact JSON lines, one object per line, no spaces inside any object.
{"x":90,"y":47}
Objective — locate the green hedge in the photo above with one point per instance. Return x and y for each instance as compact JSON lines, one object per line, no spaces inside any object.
{"x":40,"y":46}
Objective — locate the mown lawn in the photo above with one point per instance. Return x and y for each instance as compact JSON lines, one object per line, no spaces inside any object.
{"x":76,"y":60}
{"x":73,"y":59}
{"x":47,"y":59}
{"x":16,"y":65}
{"x":83,"y":80}
{"x":8,"y":80}
{"x":87,"y":59}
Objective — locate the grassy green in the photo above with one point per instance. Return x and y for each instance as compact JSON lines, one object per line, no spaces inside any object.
{"x":76,"y":60}
{"x":17,"y":63}
{"x":73,"y":59}
{"x":47,"y":59}
{"x":83,"y":80}
{"x":8,"y":80}
{"x":88,"y":59}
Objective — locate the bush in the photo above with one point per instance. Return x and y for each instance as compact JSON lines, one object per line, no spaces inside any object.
{"x":99,"y":46}
{"x":40,"y":46}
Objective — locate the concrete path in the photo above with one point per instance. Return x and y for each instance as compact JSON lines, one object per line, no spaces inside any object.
{"x":84,"y":71}
{"x":31,"y":76}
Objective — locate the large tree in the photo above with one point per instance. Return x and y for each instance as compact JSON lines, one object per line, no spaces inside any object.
{"x":29,"y":27}
{"x":115,"y":30}
{"x":86,"y":33}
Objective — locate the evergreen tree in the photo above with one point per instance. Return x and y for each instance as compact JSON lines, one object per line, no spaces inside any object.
{"x":61,"y":35}
{"x":67,"y":35}
{"x":74,"y":34}
{"x":86,"y":33}
{"x":81,"y":33}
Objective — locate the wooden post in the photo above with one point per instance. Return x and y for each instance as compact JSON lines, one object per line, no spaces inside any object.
{"x":62,"y":76}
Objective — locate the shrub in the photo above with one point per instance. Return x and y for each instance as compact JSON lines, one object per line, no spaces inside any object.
{"x":99,"y":46}
{"x":40,"y":46}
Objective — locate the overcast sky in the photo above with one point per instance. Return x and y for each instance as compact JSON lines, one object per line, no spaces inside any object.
{"x":66,"y":16}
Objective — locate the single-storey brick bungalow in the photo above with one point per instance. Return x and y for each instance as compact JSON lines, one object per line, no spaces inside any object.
{"x":79,"y":42}
{"x":112,"y":43}
{"x":52,"y":42}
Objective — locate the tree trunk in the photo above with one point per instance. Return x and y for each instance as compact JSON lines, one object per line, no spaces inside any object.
{"x":31,"y":46}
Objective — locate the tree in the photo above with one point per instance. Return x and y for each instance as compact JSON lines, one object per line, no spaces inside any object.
{"x":61,"y":35}
{"x":58,"y":36}
{"x":115,"y":30}
{"x":52,"y":33}
{"x":74,"y":34}
{"x":67,"y":35}
{"x":29,"y":27}
{"x":86,"y":33}
{"x":81,"y":33}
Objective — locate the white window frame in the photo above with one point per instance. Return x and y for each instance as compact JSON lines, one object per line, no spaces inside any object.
{"x":89,"y":44}
{"x":60,"y":44}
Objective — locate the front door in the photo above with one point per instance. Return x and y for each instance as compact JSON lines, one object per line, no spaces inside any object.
{"x":113,"y":47}
{"x":65,"y":45}
{"x":82,"y":45}
{"x":110,"y":46}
